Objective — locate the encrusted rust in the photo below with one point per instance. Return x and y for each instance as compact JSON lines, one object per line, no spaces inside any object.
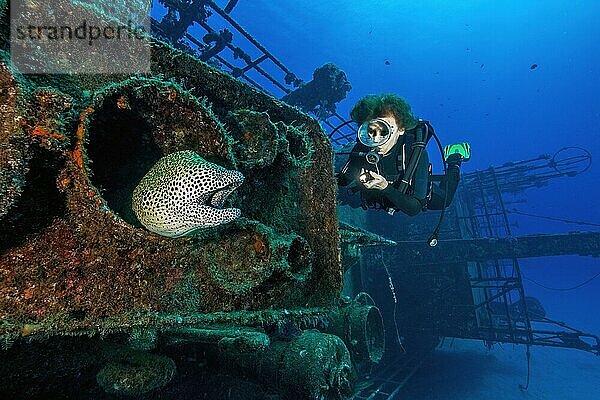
{"x":75,"y":261}
{"x":13,"y":149}
{"x":94,"y":260}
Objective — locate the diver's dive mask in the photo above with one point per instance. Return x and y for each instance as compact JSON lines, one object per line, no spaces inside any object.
{"x":376,"y":132}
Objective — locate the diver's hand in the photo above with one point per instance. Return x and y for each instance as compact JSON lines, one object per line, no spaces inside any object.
{"x":377,"y":182}
{"x":454,"y":160}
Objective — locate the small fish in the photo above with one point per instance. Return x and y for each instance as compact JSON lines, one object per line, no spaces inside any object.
{"x":481,"y":66}
{"x":387,"y":62}
{"x":533,"y":66}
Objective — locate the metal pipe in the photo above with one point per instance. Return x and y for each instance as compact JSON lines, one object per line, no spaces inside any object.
{"x":229,"y":7}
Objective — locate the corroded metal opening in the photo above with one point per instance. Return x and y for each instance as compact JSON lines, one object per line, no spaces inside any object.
{"x":299,"y":258}
{"x":299,"y":147}
{"x":362,"y":329}
{"x":374,"y":334}
{"x":268,"y":257}
{"x":37,"y":206}
{"x":31,"y":142}
{"x":121,"y":150}
{"x":128,"y":127}
{"x":241,"y":274}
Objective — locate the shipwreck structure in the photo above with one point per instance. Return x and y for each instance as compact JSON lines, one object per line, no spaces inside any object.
{"x":470,"y":284}
{"x":93,"y":303}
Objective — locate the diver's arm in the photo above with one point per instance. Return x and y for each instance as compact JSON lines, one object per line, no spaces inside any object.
{"x":447,"y":188}
{"x":411,"y":204}
{"x":403,"y":202}
{"x":379,"y":186}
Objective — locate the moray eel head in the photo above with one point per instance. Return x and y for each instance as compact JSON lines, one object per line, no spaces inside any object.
{"x":230,"y":182}
{"x":183,"y":192}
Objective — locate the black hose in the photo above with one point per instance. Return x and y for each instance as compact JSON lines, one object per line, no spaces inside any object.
{"x":563,"y":289}
{"x":433,"y":239}
{"x":418,"y":147}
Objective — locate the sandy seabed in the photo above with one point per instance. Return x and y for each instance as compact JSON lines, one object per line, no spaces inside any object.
{"x":466,"y":370}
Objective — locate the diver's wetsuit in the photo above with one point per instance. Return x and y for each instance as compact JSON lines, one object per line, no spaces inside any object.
{"x":392,"y":166}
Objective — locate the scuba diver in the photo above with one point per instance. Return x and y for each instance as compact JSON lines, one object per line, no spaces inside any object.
{"x":389,"y":165}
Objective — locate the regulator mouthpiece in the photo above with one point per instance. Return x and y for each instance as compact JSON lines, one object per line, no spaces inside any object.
{"x":372,"y":157}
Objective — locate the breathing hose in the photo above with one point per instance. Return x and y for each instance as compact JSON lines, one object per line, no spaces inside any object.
{"x":433,"y":239}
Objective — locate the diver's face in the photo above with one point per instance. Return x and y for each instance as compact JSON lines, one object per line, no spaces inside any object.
{"x":394,"y":134}
{"x":380,"y":132}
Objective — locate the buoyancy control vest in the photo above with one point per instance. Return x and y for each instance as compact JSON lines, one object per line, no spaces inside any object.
{"x":408,"y":153}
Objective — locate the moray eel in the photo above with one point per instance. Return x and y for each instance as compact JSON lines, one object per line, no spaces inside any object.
{"x":183,"y":192}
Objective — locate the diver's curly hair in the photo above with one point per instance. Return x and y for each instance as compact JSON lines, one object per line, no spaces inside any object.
{"x":375,"y":105}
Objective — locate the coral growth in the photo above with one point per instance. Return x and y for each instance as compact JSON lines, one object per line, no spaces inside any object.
{"x":137,"y":374}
